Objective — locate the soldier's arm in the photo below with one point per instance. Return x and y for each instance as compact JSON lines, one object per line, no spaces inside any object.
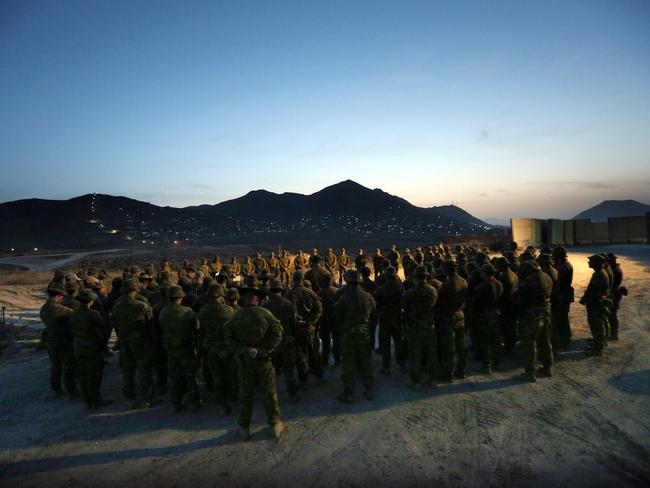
{"x":232,"y":344}
{"x":273,"y":336}
{"x":317,"y":309}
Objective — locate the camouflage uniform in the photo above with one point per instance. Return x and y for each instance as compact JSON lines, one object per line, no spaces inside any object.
{"x":353,"y":311}
{"x":486,"y":303}
{"x":597,"y":301}
{"x":419,"y":313}
{"x":180,"y":325}
{"x":344,"y":262}
{"x":389,"y":310}
{"x":618,"y":292}
{"x":89,"y":328}
{"x":134,"y":320}
{"x":223,"y":368}
{"x":159,"y":352}
{"x":508,"y":304}
{"x":299,"y":261}
{"x":285,"y":311}
{"x":255,"y":327}
{"x":308,"y":309}
{"x":565,"y":297}
{"x":328,"y":330}
{"x":450,"y":321}
{"x":60,"y":348}
{"x":331,"y":262}
{"x":534,"y":319}
{"x":285,"y":266}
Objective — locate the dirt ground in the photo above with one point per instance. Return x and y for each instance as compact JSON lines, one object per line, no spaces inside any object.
{"x":589,"y":425}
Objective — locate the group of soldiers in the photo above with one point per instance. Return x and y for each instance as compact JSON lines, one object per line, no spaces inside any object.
{"x":240,"y":324}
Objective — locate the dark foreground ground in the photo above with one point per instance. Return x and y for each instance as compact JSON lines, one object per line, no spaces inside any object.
{"x":589,"y":425}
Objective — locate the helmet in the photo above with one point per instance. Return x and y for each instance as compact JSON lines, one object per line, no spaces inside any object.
{"x":421,"y":271}
{"x":391,"y":272}
{"x":352,"y":276}
{"x":276,"y":285}
{"x":86,"y":296}
{"x":57,"y":288}
{"x":175,"y":292}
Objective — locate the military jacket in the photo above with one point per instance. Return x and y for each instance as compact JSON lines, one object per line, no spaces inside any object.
{"x":132,"y":316}
{"x":389,"y":299}
{"x":55,"y":317}
{"x":283,"y":310}
{"x":354,"y":309}
{"x":253,"y":326}
{"x":452,"y":295}
{"x":308,"y":306}
{"x":212,"y":318}
{"x":88,"y":327}
{"x":180,"y":325}
{"x":419,"y":305}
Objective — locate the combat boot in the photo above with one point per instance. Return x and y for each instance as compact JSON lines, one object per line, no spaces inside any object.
{"x":244,"y":433}
{"x":369,"y":394}
{"x":528,"y":377}
{"x":223,"y":410}
{"x":546,"y":372}
{"x":278,"y":429}
{"x":344,"y":398}
{"x":415,"y":386}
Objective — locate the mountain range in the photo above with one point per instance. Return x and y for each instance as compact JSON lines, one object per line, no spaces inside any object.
{"x":614,"y":208}
{"x":345,"y":209}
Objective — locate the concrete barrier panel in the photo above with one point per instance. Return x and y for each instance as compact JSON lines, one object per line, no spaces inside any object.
{"x":638,"y":229}
{"x":619,"y":230}
{"x":569,"y":234}
{"x":583,"y":235}
{"x":600,"y":232}
{"x":526,"y":232}
{"x":556,"y":232}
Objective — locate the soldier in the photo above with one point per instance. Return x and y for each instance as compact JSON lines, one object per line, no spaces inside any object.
{"x":544,"y":261}
{"x":299,"y":261}
{"x":253,"y":333}
{"x":159,"y":353}
{"x":313,"y":256}
{"x":285,"y":311}
{"x":331,"y":263}
{"x":235,"y":267}
{"x":232,"y":298}
{"x":486,"y":304}
{"x":212,"y":318}
{"x":59,"y":277}
{"x":370,"y":287}
{"x":508,"y":303}
{"x":55,"y":317}
{"x":377,"y":261}
{"x":450,"y":321}
{"x":134,"y":324}
{"x":596,"y":300}
{"x":618,"y":292}
{"x":285,"y":266}
{"x":353,"y":311}
{"x":89,"y":327}
{"x":215,"y":266}
{"x":316,"y":274}
{"x":328,"y":330}
{"x":308,"y":310}
{"x":259,"y":263}
{"x":360,"y":260}
{"x":394,"y":258}
{"x":534,"y":320}
{"x":408,"y":263}
{"x":419,"y":256}
{"x":248,"y":267}
{"x":428,"y":256}
{"x":565,"y":296}
{"x":180,"y":326}
{"x":205,"y":268}
{"x":419,"y":308}
{"x":344,"y":262}
{"x":70,"y":299}
{"x":389,"y":309}
{"x":273,"y":264}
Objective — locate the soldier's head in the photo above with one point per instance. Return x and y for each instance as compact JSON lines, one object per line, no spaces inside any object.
{"x":559,"y":253}
{"x":265,"y":276}
{"x":390,"y":273}
{"x":186,"y":284}
{"x":352,"y":277}
{"x":596,"y":261}
{"x":222,"y":278}
{"x":175,"y":293}
{"x":420,"y":274}
{"x":314,"y":251}
{"x":611,"y":258}
{"x":513,"y":246}
{"x":378,"y":252}
{"x":56,"y":291}
{"x":360,"y":252}
{"x":232,"y":295}
{"x":449,"y":267}
{"x":330,"y":251}
{"x":276,"y":287}
{"x":130,"y":287}
{"x":87,"y":297}
{"x":297,"y":278}
{"x":307,"y":284}
{"x":488,"y":271}
{"x":527,"y":268}
{"x":544,"y":260}
{"x":58,"y":275}
{"x":71,"y":288}
{"x":501,"y":264}
{"x":393,"y":247}
{"x":216,"y":294}
{"x":365,"y":272}
{"x":207,"y":283}
{"x":342,"y":250}
{"x":327,"y":280}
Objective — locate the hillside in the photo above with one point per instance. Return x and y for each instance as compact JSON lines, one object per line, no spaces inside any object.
{"x":614,"y":208}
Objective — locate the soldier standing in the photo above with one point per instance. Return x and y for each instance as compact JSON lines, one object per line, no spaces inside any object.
{"x":285,"y":266}
{"x":394,"y":257}
{"x":331,"y":262}
{"x":285,"y":311}
{"x":60,"y":348}
{"x":419,"y":312}
{"x":253,"y":333}
{"x":353,"y":310}
{"x":134,"y":324}
{"x":89,"y":328}
{"x":327,"y":327}
{"x":360,"y":260}
{"x":212,"y":318}
{"x":486,"y":304}
{"x":618,"y":292}
{"x":344,"y":262}
{"x":180,"y":325}
{"x":389,"y":310}
{"x":596,"y":301}
{"x":565,"y":296}
{"x":308,"y":310}
{"x":508,"y":303}
{"x":451,"y":323}
{"x":377,"y":261}
{"x":534,"y":320}
{"x":299,"y":261}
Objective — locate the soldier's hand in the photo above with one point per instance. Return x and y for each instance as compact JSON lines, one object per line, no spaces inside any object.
{"x":252,"y":352}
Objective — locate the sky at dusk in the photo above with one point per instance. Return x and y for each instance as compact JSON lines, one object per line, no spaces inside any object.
{"x":505,"y":108}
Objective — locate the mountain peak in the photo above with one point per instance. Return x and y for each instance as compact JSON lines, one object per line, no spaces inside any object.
{"x":614,"y":208}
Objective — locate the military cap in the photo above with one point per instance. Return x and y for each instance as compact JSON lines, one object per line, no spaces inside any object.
{"x":145,"y":277}
{"x":174,"y":292}
{"x":184,"y":282}
{"x":58,"y":274}
{"x":421,"y":271}
{"x":134,"y":270}
{"x":86,"y":296}
{"x":251,"y":285}
{"x":365,"y":271}
{"x":545,"y":250}
{"x":597,"y":259}
{"x":276,"y":285}
{"x":265,"y":274}
{"x":544,"y":258}
{"x":129,"y":285}
{"x":70,"y":286}
{"x":528,"y":267}
{"x":216,"y":292}
{"x":307,"y":284}
{"x":611,"y":257}
{"x":559,"y":252}
{"x":488,"y":269}
{"x":352,"y":276}
{"x":390,"y":272}
{"x":232,"y":294}
{"x":448,"y":265}
{"x":527,"y":255}
{"x":502,"y":262}
{"x":57,"y":288}
{"x":297,"y":276}
{"x":461,"y":257}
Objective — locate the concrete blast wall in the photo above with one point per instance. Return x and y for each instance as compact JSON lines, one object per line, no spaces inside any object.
{"x":569,"y":233}
{"x":556,"y":232}
{"x":583,"y":234}
{"x":526,"y":232}
{"x":600,"y":232}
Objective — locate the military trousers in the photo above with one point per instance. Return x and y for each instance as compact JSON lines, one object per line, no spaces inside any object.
{"x":160,"y":365}
{"x":561,"y":323}
{"x":357,"y":361}
{"x":597,"y":318}
{"x":90,"y":367}
{"x":453,"y":344}
{"x":535,"y":338}
{"x":252,"y":371}
{"x":390,"y":329}
{"x":331,"y":341}
{"x":62,"y":365}
{"x":183,"y":363}
{"x":136,"y":355}
{"x":308,"y":358}
{"x":422,"y":348}
{"x":288,"y":359}
{"x":491,"y":345}
{"x":508,"y":327}
{"x":613,"y":316}
{"x":224,"y":374}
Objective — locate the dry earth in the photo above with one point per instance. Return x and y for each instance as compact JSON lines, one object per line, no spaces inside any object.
{"x":589,"y":425}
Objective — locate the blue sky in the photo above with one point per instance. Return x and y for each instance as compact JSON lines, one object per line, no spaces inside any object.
{"x":504,"y":108}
